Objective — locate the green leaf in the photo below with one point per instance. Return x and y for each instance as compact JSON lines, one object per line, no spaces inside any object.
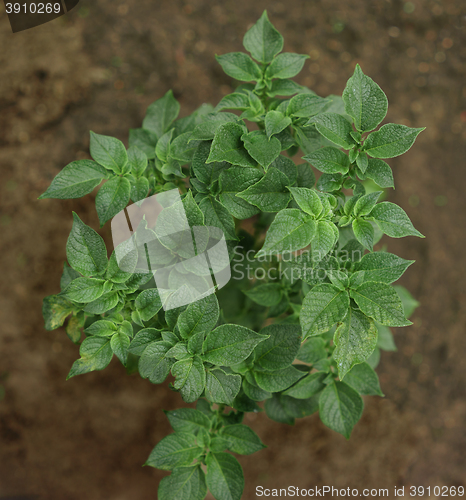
{"x":85,"y":249}
{"x":75,"y":180}
{"x":366,"y":203}
{"x":280,"y":349}
{"x":183,"y":483}
{"x":237,"y":100}
{"x":340,"y":408}
{"x":206,"y":130}
{"x":239,"y":66}
{"x":233,"y":181}
{"x":142,"y":339}
{"x":329,"y":160}
{"x":112,"y":197}
{"x":278,"y":380}
{"x":217,"y":215}
{"x":364,"y":233}
{"x":380,"y":302}
{"x":306,"y":105}
{"x":102,"y":328}
{"x":200,"y":316}
{"x":230,"y":344}
{"x":267,"y":295}
{"x":323,"y":306}
{"x":242,"y":439}
{"x":286,"y":166}
{"x":225,"y":478}
{"x":285,"y":87}
{"x":120,"y":344}
{"x":137,"y":160}
{"x":108,"y":152}
{"x":380,"y":172}
{"x":385,"y":339}
{"x":222,"y":387}
{"x":262,"y":40}
{"x":145,"y":140}
{"x":161,"y":114}
{"x":187,"y":420}
{"x":334,"y":128}
{"x":55,"y":309}
{"x":207,"y":173}
{"x":306,"y":177}
{"x":324,"y":239}
{"x":285,"y":65}
{"x":190,"y":378}
{"x":270,"y":193}
{"x":355,"y":340}
{"x":362,"y":161}
{"x":393,"y":220}
{"x":307,"y":387}
{"x":128,"y":262}
{"x":264,"y":150}
{"x":382,"y":267}
{"x":275,"y":409}
{"x":364,"y":101}
{"x":162,"y":150}
{"x":139,"y":189}
{"x":183,"y":148}
{"x":95,"y":353}
{"x":312,"y":351}
{"x":84,"y":290}
{"x":291,"y":230}
{"x":408,"y":301}
{"x":148,"y":303}
{"x":228,"y":146}
{"x":174,"y":450}
{"x":153,"y":363}
{"x":275,"y":122}
{"x":391,"y":140}
{"x":364,"y":379}
{"x":103,"y":304}
{"x":299,"y":408}
{"x":68,"y":275}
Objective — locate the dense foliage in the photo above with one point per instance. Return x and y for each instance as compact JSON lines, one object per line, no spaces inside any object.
{"x":306,"y":283}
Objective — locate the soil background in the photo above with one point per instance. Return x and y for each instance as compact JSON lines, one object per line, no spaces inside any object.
{"x":97,"y":69}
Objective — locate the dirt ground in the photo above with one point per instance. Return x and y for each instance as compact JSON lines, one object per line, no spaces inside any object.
{"x":97,"y":69}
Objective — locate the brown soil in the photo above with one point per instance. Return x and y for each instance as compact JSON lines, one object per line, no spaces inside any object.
{"x":98,"y":68}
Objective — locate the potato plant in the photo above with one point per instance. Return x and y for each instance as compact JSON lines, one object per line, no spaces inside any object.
{"x":299,"y":327}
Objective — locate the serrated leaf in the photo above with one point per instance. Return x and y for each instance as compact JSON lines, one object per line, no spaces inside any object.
{"x":280,"y":349}
{"x":183,"y":483}
{"x":216,"y":215}
{"x":291,"y":230}
{"x":278,"y":380}
{"x":230,"y":344}
{"x":364,"y":379}
{"x":340,"y":407}
{"x":355,"y":340}
{"x":285,"y":65}
{"x":393,"y":220}
{"x":241,"y":439}
{"x":228,"y":146}
{"x":222,"y":387}
{"x":233,"y":181}
{"x":95,"y":353}
{"x":307,"y":387}
{"x":323,"y":306}
{"x":190,"y":378}
{"x":200,"y":316}
{"x":382,"y":267}
{"x":329,"y":160}
{"x":267,"y":295}
{"x":108,"y":152}
{"x":334,"y":128}
{"x":262,"y":40}
{"x":112,"y":197}
{"x":364,"y":101}
{"x":364,"y":233}
{"x":153,"y":363}
{"x":161,"y":114}
{"x":224,"y":477}
{"x":85,"y":249}
{"x":380,"y":172}
{"x":270,"y":194}
{"x":75,"y":180}
{"x":390,"y":140}
{"x":275,"y":122}
{"x":84,"y":290}
{"x":240,"y":66}
{"x":174,"y":450}
{"x":264,"y":150}
{"x":380,"y":302}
